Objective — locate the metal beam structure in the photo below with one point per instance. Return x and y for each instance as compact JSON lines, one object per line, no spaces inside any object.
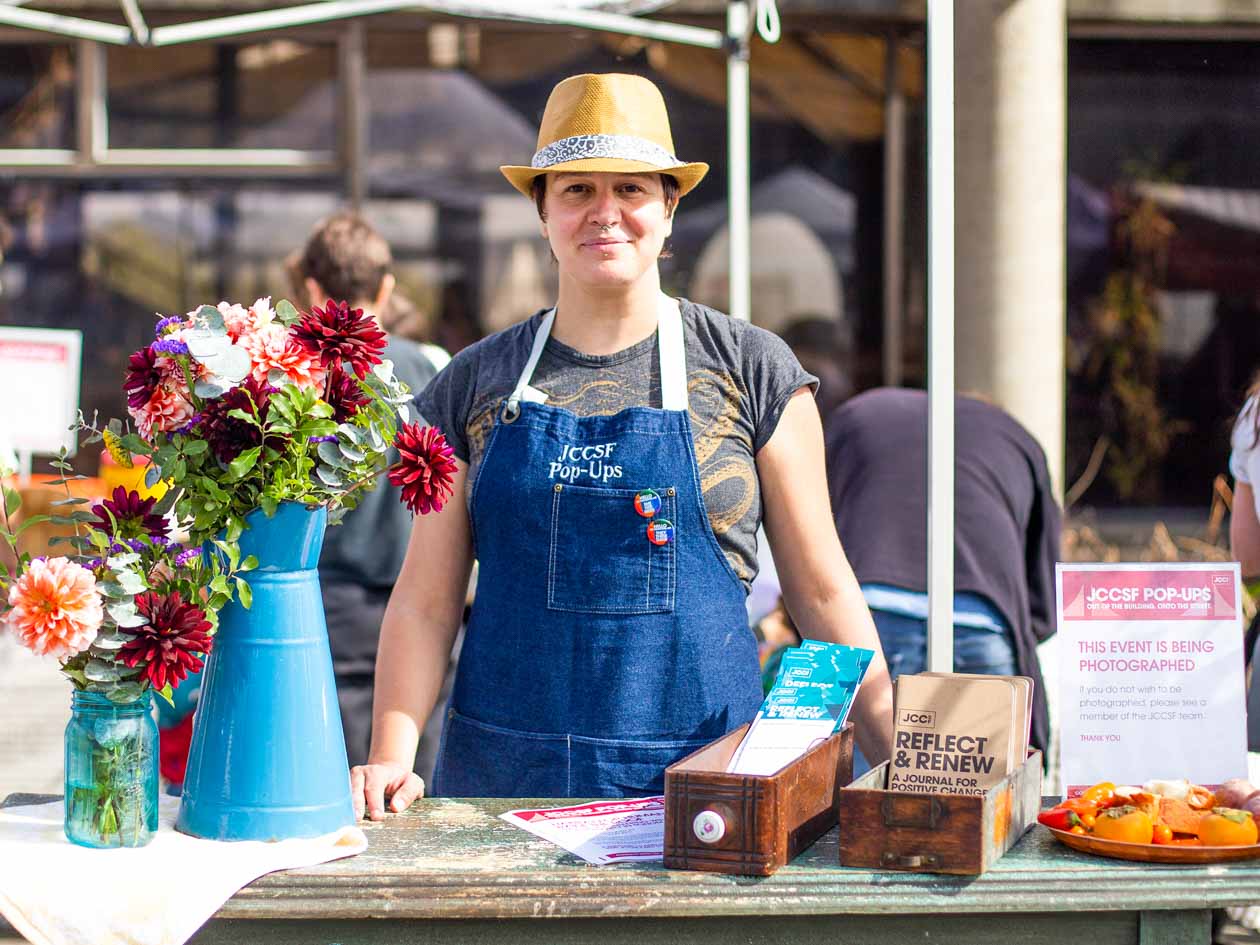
{"x":940,"y":507}
{"x":894,"y":211}
{"x":738,"y":174}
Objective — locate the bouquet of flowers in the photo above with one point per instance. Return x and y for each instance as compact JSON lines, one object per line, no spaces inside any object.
{"x":244,"y":408}
{"x":124,"y":615}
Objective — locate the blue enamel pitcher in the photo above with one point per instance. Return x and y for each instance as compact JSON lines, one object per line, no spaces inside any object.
{"x":268,"y":759}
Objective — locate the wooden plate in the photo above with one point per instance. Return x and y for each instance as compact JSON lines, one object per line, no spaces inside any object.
{"x":1154,"y":852}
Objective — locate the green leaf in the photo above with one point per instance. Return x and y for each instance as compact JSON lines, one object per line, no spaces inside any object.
{"x":269,"y":504}
{"x":72,"y":500}
{"x":12,"y":501}
{"x":249,"y":563}
{"x":240,"y":414}
{"x":196,"y":447}
{"x":245,"y":593}
{"x":134,"y":444}
{"x":167,"y":693}
{"x":232,"y":550}
{"x":33,"y":520}
{"x":239,"y":467}
{"x":286,"y":312}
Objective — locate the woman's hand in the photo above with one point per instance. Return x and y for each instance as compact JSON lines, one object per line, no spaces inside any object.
{"x":372,"y":784}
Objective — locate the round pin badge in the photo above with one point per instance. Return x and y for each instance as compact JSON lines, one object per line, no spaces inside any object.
{"x":660,"y":532}
{"x":647,"y":503}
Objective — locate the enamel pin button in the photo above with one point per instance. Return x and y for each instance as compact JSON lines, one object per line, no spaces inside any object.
{"x":660,"y":532}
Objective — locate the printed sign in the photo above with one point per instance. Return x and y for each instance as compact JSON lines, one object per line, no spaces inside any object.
{"x":39,"y":388}
{"x":1151,"y":673}
{"x":600,"y":832}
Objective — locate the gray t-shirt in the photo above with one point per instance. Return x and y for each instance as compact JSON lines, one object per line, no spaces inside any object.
{"x":739,"y":379}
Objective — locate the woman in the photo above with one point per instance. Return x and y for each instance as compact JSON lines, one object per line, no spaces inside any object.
{"x":615,"y":539}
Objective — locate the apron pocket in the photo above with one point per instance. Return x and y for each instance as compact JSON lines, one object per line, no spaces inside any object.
{"x":600,"y":560}
{"x":609,"y":768}
{"x":481,"y":760}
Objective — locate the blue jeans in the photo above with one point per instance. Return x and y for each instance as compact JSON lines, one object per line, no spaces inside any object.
{"x":904,"y":641}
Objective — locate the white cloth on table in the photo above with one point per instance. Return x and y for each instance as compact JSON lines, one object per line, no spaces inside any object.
{"x":56,"y":893}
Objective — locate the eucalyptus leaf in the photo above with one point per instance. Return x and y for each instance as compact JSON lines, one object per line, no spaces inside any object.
{"x":131,"y":582}
{"x":211,"y":387}
{"x":111,"y":641}
{"x":329,"y":453}
{"x":100,"y":671}
{"x":205,"y":345}
{"x":404,"y":412}
{"x":125,"y":615}
{"x":349,"y":451}
{"x":376,"y":440}
{"x":329,"y":477}
{"x":123,"y":560}
{"x":212,"y":317}
{"x":152,"y":476}
{"x":277,"y":377}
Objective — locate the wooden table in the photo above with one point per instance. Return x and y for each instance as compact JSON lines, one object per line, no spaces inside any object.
{"x":450,"y":871}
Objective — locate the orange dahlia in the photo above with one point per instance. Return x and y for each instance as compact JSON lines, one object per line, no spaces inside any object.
{"x":55,"y":607}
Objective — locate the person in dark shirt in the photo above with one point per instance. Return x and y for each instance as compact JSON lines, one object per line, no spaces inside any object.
{"x":347,"y":260}
{"x":1006,"y":532}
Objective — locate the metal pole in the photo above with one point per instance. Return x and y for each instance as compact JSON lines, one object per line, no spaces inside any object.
{"x":328,"y":10}
{"x":92,"y":124}
{"x":738,"y":175}
{"x":940,"y":650}
{"x":135,"y":19}
{"x":65,"y":25}
{"x":354,"y":113}
{"x":894,"y":209}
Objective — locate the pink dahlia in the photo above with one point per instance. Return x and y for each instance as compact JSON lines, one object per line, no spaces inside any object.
{"x":425,"y":469}
{"x":271,"y":347}
{"x":239,"y":320}
{"x":55,"y":607}
{"x":166,"y":411}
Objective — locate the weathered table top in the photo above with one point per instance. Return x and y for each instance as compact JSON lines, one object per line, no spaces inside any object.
{"x":449,"y":859}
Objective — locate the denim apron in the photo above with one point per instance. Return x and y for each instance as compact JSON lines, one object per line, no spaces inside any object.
{"x":609,"y":637}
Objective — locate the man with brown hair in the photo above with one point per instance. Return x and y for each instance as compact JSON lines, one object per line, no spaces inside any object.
{"x":346,"y":259}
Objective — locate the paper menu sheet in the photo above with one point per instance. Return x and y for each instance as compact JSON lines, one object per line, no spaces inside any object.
{"x":600,"y":832}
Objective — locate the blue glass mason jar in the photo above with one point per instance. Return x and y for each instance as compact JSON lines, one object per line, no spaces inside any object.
{"x":111,"y":772}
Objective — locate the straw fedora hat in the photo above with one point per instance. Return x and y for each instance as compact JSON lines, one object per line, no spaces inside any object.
{"x":607,"y":122}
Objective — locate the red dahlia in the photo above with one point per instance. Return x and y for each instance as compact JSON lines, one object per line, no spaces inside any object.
{"x":142,"y":377}
{"x":230,"y":436}
{"x":425,"y":468}
{"x":172,"y":644}
{"x":344,"y":394}
{"x":132,"y":516}
{"x":338,"y":334}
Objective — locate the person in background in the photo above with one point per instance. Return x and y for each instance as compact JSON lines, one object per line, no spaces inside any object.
{"x":1006,"y":532}
{"x":345,"y":259}
{"x":821,"y":346}
{"x":1244,"y":533}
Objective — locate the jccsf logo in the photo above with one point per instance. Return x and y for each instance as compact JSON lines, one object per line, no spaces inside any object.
{"x":920,"y":717}
{"x":592,"y":462}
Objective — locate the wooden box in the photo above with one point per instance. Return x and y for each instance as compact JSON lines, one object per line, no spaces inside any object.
{"x":936,"y":833}
{"x":751,"y":824}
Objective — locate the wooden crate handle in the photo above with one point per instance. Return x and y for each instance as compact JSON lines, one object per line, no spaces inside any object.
{"x":914,"y":812}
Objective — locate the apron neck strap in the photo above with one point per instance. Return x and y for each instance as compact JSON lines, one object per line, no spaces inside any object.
{"x":669,"y":339}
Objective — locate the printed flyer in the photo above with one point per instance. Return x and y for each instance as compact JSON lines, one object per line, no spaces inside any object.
{"x":600,"y":832}
{"x":1151,"y":673}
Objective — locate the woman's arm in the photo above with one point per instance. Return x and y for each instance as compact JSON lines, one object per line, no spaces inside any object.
{"x":819,"y":588}
{"x":1244,"y":530}
{"x":417,"y":634}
